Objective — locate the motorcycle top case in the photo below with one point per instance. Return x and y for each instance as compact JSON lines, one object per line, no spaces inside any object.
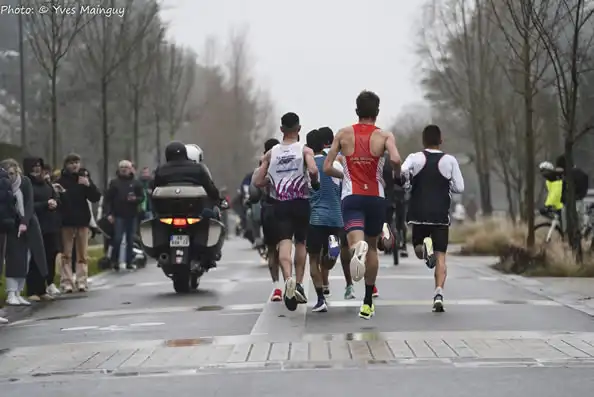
{"x":180,"y":201}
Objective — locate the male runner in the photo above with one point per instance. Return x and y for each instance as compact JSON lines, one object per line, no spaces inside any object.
{"x":434,"y":176}
{"x":325,"y":222}
{"x":269,"y":230}
{"x":363,"y":203}
{"x":287,"y":165}
{"x":345,"y":254}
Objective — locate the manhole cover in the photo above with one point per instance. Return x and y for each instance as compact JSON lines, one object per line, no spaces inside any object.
{"x":212,"y":308}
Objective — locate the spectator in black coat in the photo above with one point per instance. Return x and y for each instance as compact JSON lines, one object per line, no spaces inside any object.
{"x":46,"y":203}
{"x":76,"y":216}
{"x":122,"y":207}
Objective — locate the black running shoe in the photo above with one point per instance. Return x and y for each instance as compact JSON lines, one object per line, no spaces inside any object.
{"x":289,"y":295}
{"x":300,"y":294}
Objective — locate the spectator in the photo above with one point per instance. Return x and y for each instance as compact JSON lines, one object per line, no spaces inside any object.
{"x":121,"y":205}
{"x":76,"y":217}
{"x":23,"y":237}
{"x":46,"y":202}
{"x":146,"y":179}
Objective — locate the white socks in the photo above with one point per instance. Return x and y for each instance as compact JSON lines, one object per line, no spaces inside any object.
{"x":438,"y":291}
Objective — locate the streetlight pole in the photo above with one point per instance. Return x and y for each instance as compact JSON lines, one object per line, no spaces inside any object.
{"x":22,"y":82}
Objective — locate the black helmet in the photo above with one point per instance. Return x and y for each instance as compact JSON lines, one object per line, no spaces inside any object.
{"x":176,"y":151}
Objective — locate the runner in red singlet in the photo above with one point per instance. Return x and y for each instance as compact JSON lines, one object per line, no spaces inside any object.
{"x":363,"y":205}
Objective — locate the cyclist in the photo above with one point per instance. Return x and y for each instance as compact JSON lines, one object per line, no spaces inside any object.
{"x":554,"y":184}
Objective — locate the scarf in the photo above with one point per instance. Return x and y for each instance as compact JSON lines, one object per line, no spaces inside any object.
{"x":16,"y":190}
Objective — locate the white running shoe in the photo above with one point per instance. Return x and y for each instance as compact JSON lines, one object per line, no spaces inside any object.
{"x":12,"y":300}
{"x":3,"y":320}
{"x":53,"y":290}
{"x":24,"y":302}
{"x":358,"y":261}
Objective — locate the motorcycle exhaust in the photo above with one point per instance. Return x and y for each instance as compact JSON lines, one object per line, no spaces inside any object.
{"x":163,"y":259}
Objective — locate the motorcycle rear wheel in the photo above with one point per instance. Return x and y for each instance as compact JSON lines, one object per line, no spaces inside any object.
{"x":181,"y":283}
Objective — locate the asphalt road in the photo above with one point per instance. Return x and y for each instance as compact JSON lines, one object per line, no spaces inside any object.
{"x":131,"y":334}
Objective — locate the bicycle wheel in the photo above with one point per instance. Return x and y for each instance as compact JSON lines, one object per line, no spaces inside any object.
{"x":545,"y":234}
{"x":587,"y":239}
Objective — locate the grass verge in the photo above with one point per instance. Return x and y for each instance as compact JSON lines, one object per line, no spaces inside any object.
{"x":95,"y":253}
{"x":501,"y":238}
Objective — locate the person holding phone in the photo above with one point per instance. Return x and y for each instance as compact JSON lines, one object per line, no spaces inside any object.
{"x":121,"y":204}
{"x":77,"y":187}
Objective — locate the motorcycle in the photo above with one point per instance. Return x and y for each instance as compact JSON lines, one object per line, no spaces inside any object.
{"x":185,"y":236}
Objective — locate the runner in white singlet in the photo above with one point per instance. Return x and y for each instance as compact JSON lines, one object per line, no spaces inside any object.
{"x":290,"y":167}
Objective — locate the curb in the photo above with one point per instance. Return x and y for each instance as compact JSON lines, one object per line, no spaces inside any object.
{"x":17,"y":313}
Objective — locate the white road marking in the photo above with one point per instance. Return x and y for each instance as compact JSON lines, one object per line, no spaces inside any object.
{"x":80,"y":328}
{"x":146,"y":324}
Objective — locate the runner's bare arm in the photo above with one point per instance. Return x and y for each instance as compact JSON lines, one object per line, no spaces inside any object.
{"x":310,"y":163}
{"x":260,"y":176}
{"x":393,"y":152}
{"x":331,"y":157}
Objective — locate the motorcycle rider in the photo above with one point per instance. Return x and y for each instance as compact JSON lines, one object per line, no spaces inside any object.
{"x":180,"y":169}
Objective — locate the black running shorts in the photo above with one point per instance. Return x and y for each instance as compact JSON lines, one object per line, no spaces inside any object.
{"x":292,"y":219}
{"x":440,"y":235}
{"x":317,"y":238}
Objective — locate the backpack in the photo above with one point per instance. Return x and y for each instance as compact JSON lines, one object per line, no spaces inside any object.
{"x":581,"y":184}
{"x":8,"y":211}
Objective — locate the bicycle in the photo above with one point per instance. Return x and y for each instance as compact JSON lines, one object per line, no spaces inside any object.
{"x":551,"y":228}
{"x":587,"y":230}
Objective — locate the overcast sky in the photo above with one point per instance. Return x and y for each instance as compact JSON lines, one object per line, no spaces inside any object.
{"x":314,"y":57}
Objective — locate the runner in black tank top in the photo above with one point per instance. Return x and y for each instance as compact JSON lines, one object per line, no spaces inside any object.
{"x":434,"y":175}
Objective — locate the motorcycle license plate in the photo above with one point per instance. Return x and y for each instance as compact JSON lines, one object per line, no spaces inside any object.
{"x":179,"y":241}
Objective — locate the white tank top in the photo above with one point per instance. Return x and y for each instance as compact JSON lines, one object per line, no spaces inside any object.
{"x":287,"y":173}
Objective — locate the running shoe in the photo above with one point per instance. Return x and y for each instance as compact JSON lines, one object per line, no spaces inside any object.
{"x":375,"y":292}
{"x":358,"y":261}
{"x":289,"y":294}
{"x":438,"y":303}
{"x":277,"y":295}
{"x":320,"y":306}
{"x":300,"y":294}
{"x":367,"y":311}
{"x":333,"y":248}
{"x":349,"y":293}
{"x":386,"y":238}
{"x":52,"y":290}
{"x":428,"y":255}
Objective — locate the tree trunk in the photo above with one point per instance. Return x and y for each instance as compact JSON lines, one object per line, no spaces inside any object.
{"x":158,"y":138}
{"x":54,"y":110}
{"x":509,"y":194}
{"x":529,"y":140}
{"x":105,"y":131}
{"x":135,"y":127}
{"x":570,"y":208}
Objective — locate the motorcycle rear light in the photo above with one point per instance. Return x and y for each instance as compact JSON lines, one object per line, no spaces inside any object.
{"x":179,"y":221}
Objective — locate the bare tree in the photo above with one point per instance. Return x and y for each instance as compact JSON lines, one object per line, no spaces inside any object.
{"x":107,"y":44}
{"x":50,"y":36}
{"x":139,"y":70}
{"x":178,"y":73}
{"x":454,"y":47}
{"x":527,"y":57}
{"x":567,"y":35}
